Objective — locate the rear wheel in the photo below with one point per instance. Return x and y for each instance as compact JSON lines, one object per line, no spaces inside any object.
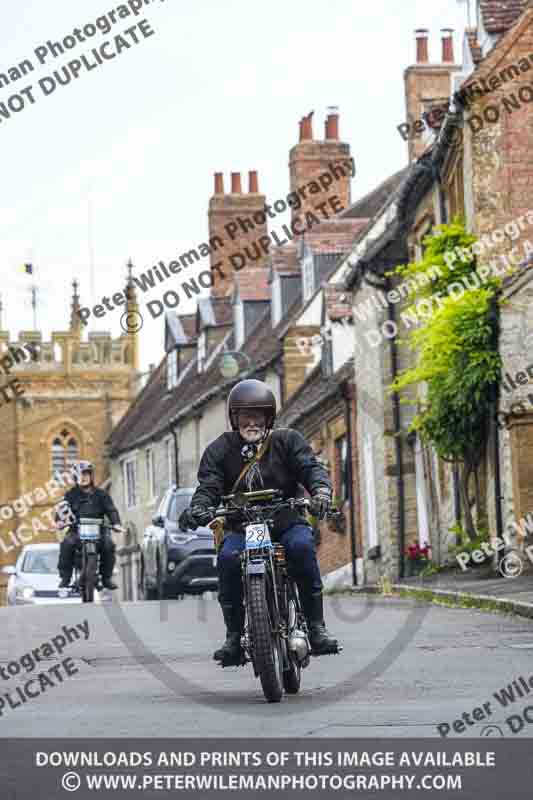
{"x":89,"y":577}
{"x":267,"y":656}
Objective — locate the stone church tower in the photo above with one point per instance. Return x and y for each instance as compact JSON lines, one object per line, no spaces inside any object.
{"x":70,"y":395}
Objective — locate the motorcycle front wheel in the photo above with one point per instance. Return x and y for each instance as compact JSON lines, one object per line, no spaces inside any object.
{"x":89,"y":577}
{"x":266,"y":651}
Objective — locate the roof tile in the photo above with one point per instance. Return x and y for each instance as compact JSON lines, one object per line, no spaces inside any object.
{"x":500,"y":15}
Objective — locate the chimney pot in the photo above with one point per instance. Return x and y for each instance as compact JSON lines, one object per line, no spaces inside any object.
{"x":422,"y":54}
{"x":219,"y":183}
{"x":236,"y":183}
{"x":447,"y":45}
{"x":332,"y":123}
{"x":253,"y":183}
{"x":306,"y":130}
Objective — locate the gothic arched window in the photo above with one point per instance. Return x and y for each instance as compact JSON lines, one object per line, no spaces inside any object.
{"x":65,"y":451}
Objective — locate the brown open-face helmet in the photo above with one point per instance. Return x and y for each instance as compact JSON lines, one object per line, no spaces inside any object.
{"x":251,"y":394}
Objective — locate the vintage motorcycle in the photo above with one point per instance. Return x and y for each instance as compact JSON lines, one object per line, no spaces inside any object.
{"x":275,"y":637}
{"x":86,"y":560}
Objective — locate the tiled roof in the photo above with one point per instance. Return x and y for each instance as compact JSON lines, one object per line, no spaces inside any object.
{"x":152,"y":412}
{"x":252,"y":284}
{"x":369,"y":205}
{"x":222,"y":310}
{"x":500,"y":15}
{"x":314,"y":391}
{"x":284,"y":259}
{"x":334,"y":236}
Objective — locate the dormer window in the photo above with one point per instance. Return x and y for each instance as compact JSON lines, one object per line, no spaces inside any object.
{"x":202,"y":350}
{"x":308,"y":276}
{"x":172,"y":369}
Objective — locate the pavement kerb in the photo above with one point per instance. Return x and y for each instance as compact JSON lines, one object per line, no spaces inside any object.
{"x":460,"y":599}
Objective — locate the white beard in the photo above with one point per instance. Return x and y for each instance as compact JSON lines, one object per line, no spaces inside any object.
{"x":252,"y":437}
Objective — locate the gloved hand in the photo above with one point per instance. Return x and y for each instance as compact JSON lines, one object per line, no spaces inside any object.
{"x":194,"y":516}
{"x":320,"y":502}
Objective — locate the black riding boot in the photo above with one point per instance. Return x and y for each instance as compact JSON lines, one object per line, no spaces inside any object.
{"x":322,"y":642}
{"x":230,"y":653}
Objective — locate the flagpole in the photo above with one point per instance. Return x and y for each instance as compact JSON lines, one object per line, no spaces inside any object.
{"x":34,"y":305}
{"x":33,"y":289}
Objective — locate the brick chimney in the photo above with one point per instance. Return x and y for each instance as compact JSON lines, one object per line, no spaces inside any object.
{"x":447,"y":45}
{"x":427,"y":85}
{"x":332,"y":124}
{"x":311,"y":158}
{"x":237,"y":221}
{"x":422,"y":53}
{"x":253,"y":184}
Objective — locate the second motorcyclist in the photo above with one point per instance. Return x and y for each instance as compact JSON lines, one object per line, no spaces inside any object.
{"x":87,"y":500}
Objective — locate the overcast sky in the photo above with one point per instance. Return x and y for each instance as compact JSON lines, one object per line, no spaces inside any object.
{"x":221,"y":86}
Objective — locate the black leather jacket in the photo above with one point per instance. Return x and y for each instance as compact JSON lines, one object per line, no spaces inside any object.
{"x":288,"y":464}
{"x":94,"y":503}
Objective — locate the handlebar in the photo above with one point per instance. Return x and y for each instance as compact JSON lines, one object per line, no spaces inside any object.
{"x":241,"y":503}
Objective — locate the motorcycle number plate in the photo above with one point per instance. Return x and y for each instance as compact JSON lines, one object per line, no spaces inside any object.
{"x":257,"y":535}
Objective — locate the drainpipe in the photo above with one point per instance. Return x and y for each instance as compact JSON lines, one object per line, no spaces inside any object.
{"x":496,"y":432}
{"x":384,"y":285}
{"x":397,"y":439}
{"x":176,"y":454}
{"x":347,"y":395}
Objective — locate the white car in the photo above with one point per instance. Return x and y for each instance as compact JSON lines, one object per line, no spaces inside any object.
{"x":34,"y":580}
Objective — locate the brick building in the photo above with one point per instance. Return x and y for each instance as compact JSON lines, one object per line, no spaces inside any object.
{"x":74,"y":394}
{"x":481,"y":174}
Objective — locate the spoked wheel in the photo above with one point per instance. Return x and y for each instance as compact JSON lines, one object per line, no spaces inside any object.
{"x":89,"y":577}
{"x":292,"y":676}
{"x":267,"y":656}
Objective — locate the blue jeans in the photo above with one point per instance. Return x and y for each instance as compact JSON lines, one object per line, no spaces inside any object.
{"x":301,"y":561}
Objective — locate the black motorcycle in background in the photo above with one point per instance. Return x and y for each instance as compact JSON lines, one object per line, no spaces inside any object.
{"x":86,"y":575}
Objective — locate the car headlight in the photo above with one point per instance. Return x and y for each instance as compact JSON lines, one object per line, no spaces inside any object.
{"x":26,"y":592}
{"x":181,"y":538}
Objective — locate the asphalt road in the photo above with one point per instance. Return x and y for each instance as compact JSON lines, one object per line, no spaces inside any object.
{"x":146,"y":670}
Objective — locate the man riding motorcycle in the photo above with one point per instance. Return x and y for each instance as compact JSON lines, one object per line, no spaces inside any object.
{"x":87,"y":500}
{"x":287,"y":463}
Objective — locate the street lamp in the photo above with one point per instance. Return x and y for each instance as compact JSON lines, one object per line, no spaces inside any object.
{"x":229,"y":366}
